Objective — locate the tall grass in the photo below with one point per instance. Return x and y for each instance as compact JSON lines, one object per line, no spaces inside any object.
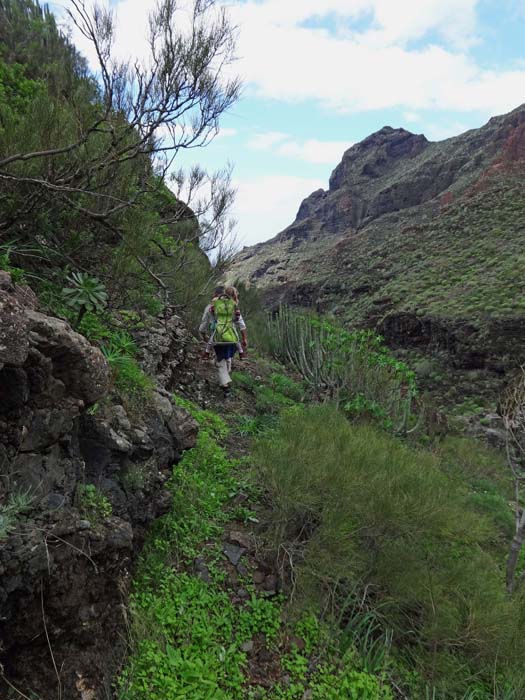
{"x":356,"y":514}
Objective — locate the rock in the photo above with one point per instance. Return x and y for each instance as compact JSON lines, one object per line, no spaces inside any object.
{"x":162,"y":405}
{"x":247,"y":647}
{"x":233,"y":553}
{"x":118,"y":418}
{"x":242,"y":570}
{"x":258,"y":577}
{"x":79,"y":365}
{"x":239,"y":498}
{"x":240,"y":538}
{"x":271,"y":583}
{"x":14,"y":388}
{"x":119,"y":533}
{"x":14,"y":326}
{"x":184,"y":428}
{"x":79,"y":569}
{"x":55,"y":500}
{"x":47,"y":425}
{"x":201,"y":570}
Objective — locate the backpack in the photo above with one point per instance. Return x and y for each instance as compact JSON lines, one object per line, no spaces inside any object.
{"x":224,"y":311}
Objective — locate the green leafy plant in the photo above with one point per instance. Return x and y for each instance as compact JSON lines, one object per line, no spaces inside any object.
{"x":119,"y":350}
{"x":208,"y":420}
{"x":93,"y":503}
{"x":85,"y":293}
{"x":287,"y":386}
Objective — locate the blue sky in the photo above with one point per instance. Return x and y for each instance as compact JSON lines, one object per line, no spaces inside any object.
{"x":320,"y":75}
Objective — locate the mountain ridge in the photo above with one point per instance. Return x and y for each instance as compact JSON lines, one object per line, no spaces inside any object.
{"x":430,"y":232}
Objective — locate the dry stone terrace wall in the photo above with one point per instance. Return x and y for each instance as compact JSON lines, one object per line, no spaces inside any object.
{"x":62,"y":576}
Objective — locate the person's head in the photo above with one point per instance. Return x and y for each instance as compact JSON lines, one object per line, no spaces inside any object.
{"x":232,"y":293}
{"x":219,"y":291}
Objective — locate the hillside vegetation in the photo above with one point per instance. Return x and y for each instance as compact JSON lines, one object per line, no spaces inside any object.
{"x":85,"y":164}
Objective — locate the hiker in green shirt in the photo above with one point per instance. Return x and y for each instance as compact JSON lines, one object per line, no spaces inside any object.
{"x":222,"y":322}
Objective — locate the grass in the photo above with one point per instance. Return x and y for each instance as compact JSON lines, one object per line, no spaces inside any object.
{"x":10,"y":512}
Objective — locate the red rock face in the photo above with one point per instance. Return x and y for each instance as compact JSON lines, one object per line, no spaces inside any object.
{"x":510,"y":158}
{"x":514,"y":148}
{"x":446,"y":199}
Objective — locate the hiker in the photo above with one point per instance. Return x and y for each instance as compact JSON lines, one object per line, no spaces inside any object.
{"x":222,"y":320}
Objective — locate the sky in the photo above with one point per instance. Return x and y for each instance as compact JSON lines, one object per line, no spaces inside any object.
{"x":320,"y":75}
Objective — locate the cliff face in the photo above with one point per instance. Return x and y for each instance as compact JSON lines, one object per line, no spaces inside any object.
{"x":421,"y":240}
{"x":64,"y":573}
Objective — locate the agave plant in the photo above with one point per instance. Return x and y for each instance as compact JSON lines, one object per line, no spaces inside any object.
{"x":86,"y":293}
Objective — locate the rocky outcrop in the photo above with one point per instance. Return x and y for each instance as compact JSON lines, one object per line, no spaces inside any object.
{"x":65,"y":567}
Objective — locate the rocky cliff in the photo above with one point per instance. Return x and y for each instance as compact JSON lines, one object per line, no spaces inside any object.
{"x":64,"y":572}
{"x":421,"y":240}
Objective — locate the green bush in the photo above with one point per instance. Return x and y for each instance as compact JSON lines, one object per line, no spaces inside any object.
{"x":269,"y":401}
{"x":360,"y":513}
{"x":245,"y":380}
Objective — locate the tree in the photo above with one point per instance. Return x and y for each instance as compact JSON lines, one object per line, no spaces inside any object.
{"x":96,"y":157}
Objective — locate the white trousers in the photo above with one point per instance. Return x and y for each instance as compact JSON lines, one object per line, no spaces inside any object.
{"x":224,"y":368}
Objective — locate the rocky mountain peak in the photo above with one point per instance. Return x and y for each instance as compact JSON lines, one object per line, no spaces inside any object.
{"x":376,"y":155}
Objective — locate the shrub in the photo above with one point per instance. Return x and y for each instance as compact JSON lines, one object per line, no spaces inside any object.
{"x":361,"y":514}
{"x":269,"y":401}
{"x":208,"y":420}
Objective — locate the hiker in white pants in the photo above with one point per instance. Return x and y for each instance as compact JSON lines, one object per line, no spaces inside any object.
{"x":223,"y":322}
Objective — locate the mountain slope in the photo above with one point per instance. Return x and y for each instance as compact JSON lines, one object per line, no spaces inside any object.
{"x":422,"y":240}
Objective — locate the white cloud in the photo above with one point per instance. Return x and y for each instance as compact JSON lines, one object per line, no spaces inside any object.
{"x":226,"y":133}
{"x":265,"y":141}
{"x":367,"y":66}
{"x":374,"y":68}
{"x":309,"y":151}
{"x":412,"y":117}
{"x":313,"y":151}
{"x":266,"y":205}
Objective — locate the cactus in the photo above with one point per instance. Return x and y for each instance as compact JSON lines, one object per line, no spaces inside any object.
{"x":342,"y":364}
